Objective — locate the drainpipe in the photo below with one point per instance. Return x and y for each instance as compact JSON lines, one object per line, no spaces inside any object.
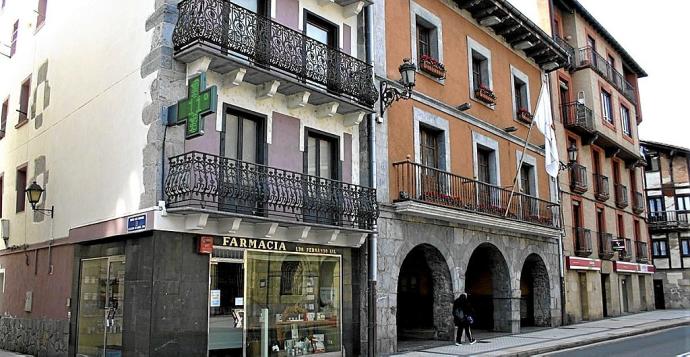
{"x":373,"y":237}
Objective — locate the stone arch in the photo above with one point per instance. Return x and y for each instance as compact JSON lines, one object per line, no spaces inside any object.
{"x":488,"y":285}
{"x":424,"y":295}
{"x":535,"y":293}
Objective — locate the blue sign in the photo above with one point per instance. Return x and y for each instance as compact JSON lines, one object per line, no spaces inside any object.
{"x":136,"y":223}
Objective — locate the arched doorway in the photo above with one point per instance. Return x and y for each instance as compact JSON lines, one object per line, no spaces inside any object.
{"x":535,"y":293}
{"x":487,"y":283}
{"x":425,"y":296}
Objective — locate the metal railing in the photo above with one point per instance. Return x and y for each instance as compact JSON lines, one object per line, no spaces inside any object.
{"x":578,"y":178}
{"x":228,"y":27}
{"x":601,"y":187}
{"x":605,"y":246}
{"x":588,"y":57}
{"x":200,"y":180}
{"x":583,"y":241}
{"x":638,"y":202}
{"x":669,"y":219}
{"x":641,"y":252}
{"x":621,"y":195}
{"x":576,"y":115}
{"x":417,"y":182}
{"x":567,"y":47}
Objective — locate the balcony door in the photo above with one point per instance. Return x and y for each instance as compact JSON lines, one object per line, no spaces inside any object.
{"x":245,"y":26}
{"x":241,"y":175}
{"x":564,"y":98}
{"x":321,"y":188}
{"x":429,"y":156}
{"x":321,"y":55}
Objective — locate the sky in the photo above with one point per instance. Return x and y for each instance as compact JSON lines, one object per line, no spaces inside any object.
{"x":657,"y":35}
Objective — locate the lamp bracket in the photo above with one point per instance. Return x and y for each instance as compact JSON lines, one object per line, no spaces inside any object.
{"x":47,"y":212}
{"x":391,"y":94}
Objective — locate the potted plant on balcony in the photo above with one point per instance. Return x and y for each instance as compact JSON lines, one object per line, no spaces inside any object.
{"x":524,"y":115}
{"x":485,"y":94}
{"x":432,"y":67}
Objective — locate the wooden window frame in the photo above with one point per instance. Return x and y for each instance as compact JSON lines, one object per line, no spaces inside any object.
{"x":21,"y":195}
{"x":656,"y":242}
{"x":335,"y":141}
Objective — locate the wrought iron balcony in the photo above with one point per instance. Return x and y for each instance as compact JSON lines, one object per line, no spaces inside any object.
{"x":578,"y":178}
{"x":577,"y":117}
{"x":421,"y":183}
{"x":568,"y":48}
{"x":234,"y":37}
{"x":583,"y":241}
{"x":638,"y":202}
{"x":641,"y":252}
{"x":669,"y":220}
{"x":626,"y":254}
{"x":200,"y":180}
{"x":605,"y":247}
{"x":621,"y":195}
{"x":601,"y":187}
{"x":588,"y":57}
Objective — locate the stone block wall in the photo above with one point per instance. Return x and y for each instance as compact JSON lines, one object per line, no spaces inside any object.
{"x":40,"y":338}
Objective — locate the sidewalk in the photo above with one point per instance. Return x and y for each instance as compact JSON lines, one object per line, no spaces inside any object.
{"x":4,"y":353}
{"x":548,"y":340}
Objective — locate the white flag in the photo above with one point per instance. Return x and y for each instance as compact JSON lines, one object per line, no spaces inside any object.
{"x":544,"y":122}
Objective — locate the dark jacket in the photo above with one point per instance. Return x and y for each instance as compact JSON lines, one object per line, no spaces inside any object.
{"x":461,"y":310}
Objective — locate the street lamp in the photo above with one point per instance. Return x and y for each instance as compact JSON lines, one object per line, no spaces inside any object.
{"x":408,"y":72}
{"x":33,"y":194}
{"x":572,"y":157}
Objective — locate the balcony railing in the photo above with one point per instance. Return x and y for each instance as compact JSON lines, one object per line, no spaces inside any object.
{"x":588,"y":57}
{"x":578,"y":178}
{"x":638,"y":202}
{"x":577,"y":116}
{"x":605,"y":247}
{"x":200,"y":180}
{"x":601,"y":187}
{"x":626,"y":254}
{"x":567,"y":47}
{"x":417,"y":182}
{"x":641,"y":252}
{"x":583,"y":241}
{"x":621,"y":195}
{"x":669,"y":219}
{"x":226,"y":27}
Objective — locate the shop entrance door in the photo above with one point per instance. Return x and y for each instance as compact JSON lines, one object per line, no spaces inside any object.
{"x":226,"y":306}
{"x":659,"y":294}
{"x":101,"y":302}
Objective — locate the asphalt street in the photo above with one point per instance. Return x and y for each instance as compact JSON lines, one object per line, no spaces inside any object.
{"x":671,"y":342}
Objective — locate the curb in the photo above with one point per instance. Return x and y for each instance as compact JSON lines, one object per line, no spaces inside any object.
{"x":542,"y":350}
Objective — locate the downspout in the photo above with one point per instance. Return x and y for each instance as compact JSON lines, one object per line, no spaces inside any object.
{"x":373,"y":237}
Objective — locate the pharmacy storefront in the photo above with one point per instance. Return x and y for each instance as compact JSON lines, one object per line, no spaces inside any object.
{"x":276,"y":298}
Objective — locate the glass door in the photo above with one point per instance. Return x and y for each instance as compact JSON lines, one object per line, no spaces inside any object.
{"x":101,"y":298}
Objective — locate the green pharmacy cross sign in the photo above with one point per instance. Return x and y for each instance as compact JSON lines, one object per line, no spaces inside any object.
{"x":200,"y":101}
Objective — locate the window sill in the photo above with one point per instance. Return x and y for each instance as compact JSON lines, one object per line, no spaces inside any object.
{"x":39,"y":27}
{"x":441,"y":81}
{"x":21,"y":123}
{"x":628,"y":138}
{"x":608,"y":125}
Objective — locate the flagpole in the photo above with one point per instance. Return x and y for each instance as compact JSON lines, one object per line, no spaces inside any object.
{"x":517,"y":172}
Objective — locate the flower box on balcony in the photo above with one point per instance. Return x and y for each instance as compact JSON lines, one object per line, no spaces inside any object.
{"x":485,"y":94}
{"x":432,"y":67}
{"x":524,"y":115}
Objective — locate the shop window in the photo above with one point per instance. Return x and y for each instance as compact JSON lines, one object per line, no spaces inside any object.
{"x":307,"y":322}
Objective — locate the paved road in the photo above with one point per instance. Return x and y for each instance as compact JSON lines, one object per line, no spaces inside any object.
{"x":671,"y":342}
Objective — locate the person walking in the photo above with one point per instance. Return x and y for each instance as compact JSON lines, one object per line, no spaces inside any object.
{"x":463,"y":316}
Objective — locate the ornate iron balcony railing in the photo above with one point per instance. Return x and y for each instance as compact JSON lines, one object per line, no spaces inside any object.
{"x":669,"y":219}
{"x":576,"y":115}
{"x":621,"y":195}
{"x":417,"y":182}
{"x":578,"y":178}
{"x":605,"y":245}
{"x":638,"y":202}
{"x":227,"y":27}
{"x":641,"y":252}
{"x":588,"y":57}
{"x":601,"y":187}
{"x":583,"y":241}
{"x":200,"y":180}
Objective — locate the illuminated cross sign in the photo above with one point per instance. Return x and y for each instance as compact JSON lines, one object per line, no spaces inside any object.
{"x":618,"y":244}
{"x":200,"y":101}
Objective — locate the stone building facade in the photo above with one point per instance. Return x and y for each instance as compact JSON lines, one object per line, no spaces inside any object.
{"x":597,"y":112}
{"x":667,"y":187}
{"x":445,"y":169}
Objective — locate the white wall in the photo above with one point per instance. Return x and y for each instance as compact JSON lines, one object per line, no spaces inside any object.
{"x":92,"y":132}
